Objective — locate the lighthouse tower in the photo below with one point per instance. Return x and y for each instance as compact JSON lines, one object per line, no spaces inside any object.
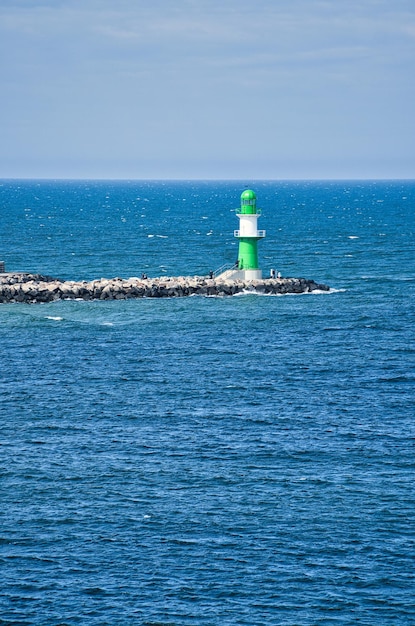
{"x":248,"y":235}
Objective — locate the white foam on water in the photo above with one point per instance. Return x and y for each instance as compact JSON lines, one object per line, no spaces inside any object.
{"x":317,"y":292}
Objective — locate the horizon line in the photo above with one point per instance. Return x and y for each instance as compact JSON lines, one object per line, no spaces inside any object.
{"x":110,"y":179}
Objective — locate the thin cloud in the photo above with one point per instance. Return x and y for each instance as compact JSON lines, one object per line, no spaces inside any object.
{"x":105,"y":79}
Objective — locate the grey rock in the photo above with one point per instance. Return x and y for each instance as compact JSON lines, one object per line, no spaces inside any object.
{"x":30,"y":288}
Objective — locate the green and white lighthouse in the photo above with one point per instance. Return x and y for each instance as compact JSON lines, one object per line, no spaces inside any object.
{"x":248,"y":235}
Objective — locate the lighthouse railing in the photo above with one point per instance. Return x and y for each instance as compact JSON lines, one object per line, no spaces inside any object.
{"x":224,"y":268}
{"x":259,"y":233}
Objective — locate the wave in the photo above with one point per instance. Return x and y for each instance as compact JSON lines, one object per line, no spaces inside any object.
{"x":247,"y":292}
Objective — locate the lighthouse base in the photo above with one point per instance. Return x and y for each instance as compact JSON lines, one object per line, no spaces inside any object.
{"x":245,"y":275}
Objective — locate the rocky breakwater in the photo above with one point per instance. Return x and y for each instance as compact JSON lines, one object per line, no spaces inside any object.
{"x":32,"y":288}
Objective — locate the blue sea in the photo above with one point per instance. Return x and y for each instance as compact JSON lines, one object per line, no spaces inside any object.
{"x":209,"y":461}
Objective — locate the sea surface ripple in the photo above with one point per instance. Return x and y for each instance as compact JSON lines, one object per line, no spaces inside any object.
{"x":202,"y":461}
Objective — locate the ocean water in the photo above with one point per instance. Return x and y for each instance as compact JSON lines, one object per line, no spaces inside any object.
{"x":205,"y":461}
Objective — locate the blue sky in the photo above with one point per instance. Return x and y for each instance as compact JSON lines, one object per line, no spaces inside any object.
{"x":242,"y":89}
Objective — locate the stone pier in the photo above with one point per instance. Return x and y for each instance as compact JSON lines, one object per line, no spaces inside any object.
{"x":33,"y":288}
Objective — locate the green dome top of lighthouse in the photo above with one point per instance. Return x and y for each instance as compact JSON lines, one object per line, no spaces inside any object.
{"x":248,"y":201}
{"x":248,"y":194}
